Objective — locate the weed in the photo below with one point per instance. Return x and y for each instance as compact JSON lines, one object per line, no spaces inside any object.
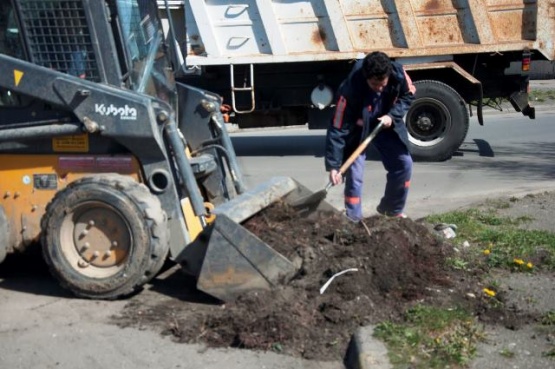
{"x":431,"y":337}
{"x":503,"y":239}
{"x":507,"y":353}
{"x":542,"y":95}
{"x":494,"y":284}
{"x":531,"y":300}
{"x":457,"y":263}
{"x":548,"y":318}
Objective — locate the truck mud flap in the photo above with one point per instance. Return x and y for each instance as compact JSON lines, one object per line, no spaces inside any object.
{"x":520,"y":102}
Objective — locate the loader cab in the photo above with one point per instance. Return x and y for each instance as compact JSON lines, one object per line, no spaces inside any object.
{"x":120,"y":43}
{"x":143,"y":52}
{"x":10,"y":44}
{"x":9,"y":32}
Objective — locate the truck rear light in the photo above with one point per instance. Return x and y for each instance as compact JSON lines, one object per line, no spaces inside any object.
{"x":526,"y":60}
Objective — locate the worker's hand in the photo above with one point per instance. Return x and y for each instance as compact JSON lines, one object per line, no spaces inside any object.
{"x":387,"y":121}
{"x":335,"y":177}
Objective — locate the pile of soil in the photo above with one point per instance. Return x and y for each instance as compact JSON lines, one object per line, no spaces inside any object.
{"x":398,"y":262}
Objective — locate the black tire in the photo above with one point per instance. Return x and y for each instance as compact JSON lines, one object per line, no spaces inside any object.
{"x":437,"y":121}
{"x":104,"y":237}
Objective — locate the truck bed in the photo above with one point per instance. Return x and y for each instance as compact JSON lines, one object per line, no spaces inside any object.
{"x":216,"y":32}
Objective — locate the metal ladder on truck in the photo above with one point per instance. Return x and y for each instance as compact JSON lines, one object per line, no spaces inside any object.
{"x":246,"y":88}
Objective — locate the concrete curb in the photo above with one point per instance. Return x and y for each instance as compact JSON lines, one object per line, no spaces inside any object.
{"x":507,"y":109}
{"x":366,"y":352}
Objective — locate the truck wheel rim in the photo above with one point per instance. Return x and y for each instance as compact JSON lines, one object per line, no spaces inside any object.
{"x":428,"y":122}
{"x":95,"y":239}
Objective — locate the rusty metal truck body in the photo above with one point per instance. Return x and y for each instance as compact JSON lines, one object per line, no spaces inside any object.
{"x":280,"y":62}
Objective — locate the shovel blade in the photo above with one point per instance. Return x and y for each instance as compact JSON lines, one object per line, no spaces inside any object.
{"x":236,"y":261}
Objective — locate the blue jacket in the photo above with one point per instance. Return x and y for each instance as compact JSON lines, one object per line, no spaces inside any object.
{"x":355,"y":100}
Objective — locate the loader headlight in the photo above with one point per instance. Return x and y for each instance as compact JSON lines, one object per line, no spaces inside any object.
{"x":321,"y":96}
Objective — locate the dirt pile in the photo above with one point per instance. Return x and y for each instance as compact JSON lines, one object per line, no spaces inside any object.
{"x":397,"y":262}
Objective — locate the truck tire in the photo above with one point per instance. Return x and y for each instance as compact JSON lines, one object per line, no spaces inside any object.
{"x":104,"y":237}
{"x":437,"y":121}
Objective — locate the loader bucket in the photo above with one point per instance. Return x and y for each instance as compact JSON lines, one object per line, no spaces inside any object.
{"x":278,"y":188}
{"x":236,"y":261}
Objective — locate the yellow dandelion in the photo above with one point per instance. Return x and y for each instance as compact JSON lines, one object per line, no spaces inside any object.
{"x":487,"y":252}
{"x":489,"y":292}
{"x":518,"y":261}
{"x":530,"y":265}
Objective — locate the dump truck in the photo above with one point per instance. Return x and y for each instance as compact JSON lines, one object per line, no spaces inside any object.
{"x":112,"y":167}
{"x":280,"y":62}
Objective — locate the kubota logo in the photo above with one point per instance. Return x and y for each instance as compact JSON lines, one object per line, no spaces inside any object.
{"x":125,"y":112}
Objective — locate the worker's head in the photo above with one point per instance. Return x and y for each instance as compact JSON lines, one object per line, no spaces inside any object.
{"x":376,"y":68}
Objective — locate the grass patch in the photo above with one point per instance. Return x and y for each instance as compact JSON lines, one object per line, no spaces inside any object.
{"x":549,"y":318}
{"x":542,"y":95}
{"x":505,"y":352}
{"x":431,"y":338}
{"x":547,"y":328}
{"x":458,"y":263}
{"x":499,"y":241}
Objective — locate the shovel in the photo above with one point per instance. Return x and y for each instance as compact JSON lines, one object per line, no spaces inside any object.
{"x":314,"y":199}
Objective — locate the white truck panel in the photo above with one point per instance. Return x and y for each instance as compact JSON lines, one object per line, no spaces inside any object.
{"x":266,"y":31}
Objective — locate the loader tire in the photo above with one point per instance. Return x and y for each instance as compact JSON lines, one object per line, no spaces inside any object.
{"x":104,"y":237}
{"x":437,"y":121}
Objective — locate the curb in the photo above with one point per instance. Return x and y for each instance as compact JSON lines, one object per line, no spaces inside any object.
{"x":365,"y":352}
{"x":540,"y":107}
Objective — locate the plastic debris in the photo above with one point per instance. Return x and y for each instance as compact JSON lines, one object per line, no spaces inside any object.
{"x":326,"y":285}
{"x":446,"y":230}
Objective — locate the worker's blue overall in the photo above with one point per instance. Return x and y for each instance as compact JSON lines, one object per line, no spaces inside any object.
{"x":391,"y":143}
{"x":396,"y":161}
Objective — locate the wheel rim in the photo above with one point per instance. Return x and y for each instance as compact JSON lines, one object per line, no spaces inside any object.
{"x":428,"y":122}
{"x":95,"y":239}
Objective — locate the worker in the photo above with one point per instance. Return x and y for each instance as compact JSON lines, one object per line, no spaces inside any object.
{"x":376,"y":90}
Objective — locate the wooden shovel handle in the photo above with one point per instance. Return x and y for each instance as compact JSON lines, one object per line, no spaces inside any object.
{"x":363,"y":145}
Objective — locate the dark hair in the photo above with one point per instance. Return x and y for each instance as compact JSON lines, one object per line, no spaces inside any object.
{"x":376,"y":64}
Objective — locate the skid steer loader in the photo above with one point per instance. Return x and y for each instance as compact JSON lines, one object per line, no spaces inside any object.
{"x":113,"y":166}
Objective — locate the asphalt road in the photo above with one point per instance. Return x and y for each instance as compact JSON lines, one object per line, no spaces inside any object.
{"x":41,"y":326}
{"x":509,"y":155}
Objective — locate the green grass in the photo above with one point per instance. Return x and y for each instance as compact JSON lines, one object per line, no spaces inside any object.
{"x":508,"y":245}
{"x":549,"y":318}
{"x":548,"y":329}
{"x":431,"y":338}
{"x":542,"y":95}
{"x":505,"y":352}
